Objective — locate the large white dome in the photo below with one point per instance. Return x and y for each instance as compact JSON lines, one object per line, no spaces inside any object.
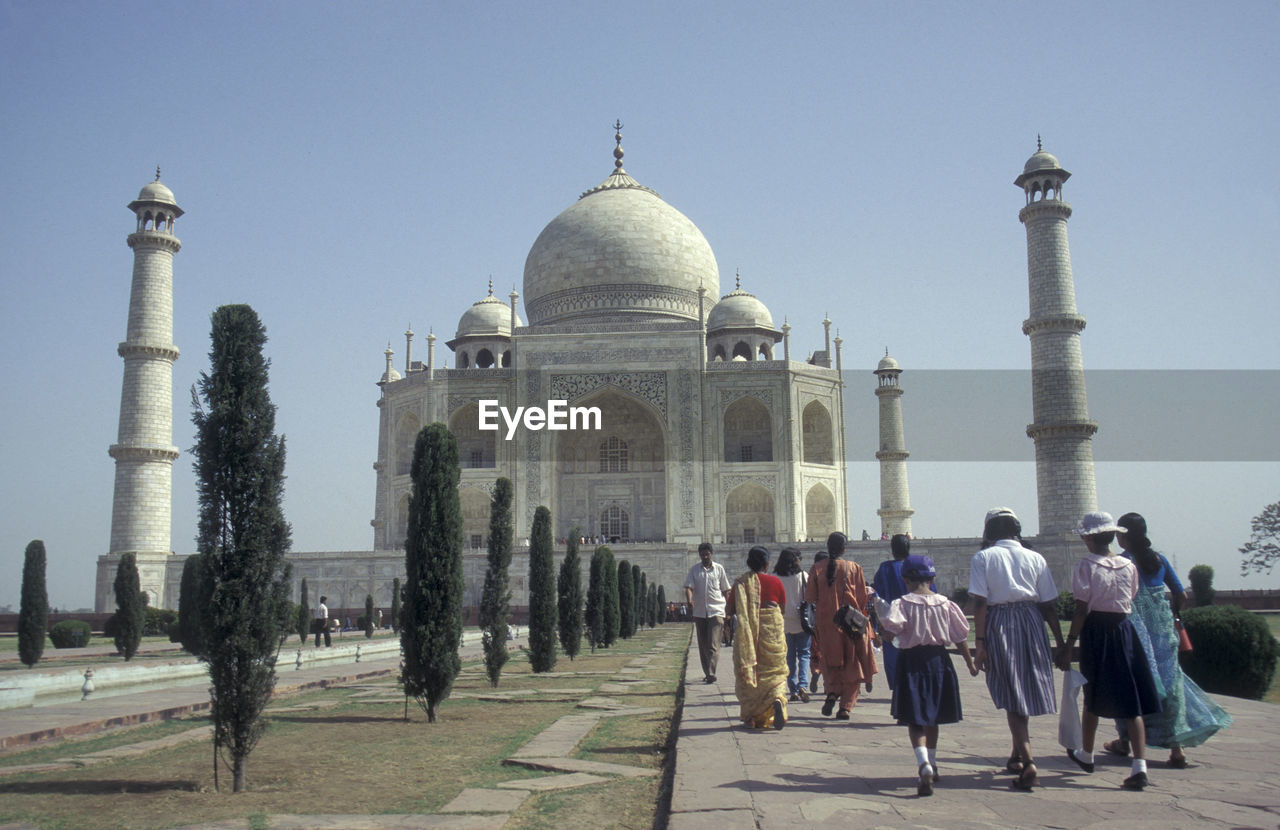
{"x":618,"y":253}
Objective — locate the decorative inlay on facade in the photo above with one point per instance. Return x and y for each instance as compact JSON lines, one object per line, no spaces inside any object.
{"x":627,"y":297}
{"x":648,"y":386}
{"x":808,"y":481}
{"x":621,"y":356}
{"x":728,"y":396}
{"x":533,"y":471}
{"x":684,"y":392}
{"x":729,"y":483}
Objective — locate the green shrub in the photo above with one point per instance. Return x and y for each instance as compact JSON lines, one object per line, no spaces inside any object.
{"x":158,"y":621}
{"x":1233,"y":651}
{"x":1201,"y":579}
{"x":1066,"y":605}
{"x":69,"y":634}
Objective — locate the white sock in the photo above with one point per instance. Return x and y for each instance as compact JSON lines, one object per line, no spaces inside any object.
{"x":933,"y":758}
{"x":1082,"y":756}
{"x":1139,"y":765}
{"x":922,"y":757}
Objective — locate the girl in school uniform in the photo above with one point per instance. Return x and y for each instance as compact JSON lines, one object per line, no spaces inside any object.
{"x":926,"y":691}
{"x":1111,"y":655}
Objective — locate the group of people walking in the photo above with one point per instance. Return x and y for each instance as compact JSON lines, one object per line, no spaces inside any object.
{"x":793,"y":627}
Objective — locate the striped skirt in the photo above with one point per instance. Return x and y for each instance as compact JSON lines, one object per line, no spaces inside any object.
{"x":1020,"y":665}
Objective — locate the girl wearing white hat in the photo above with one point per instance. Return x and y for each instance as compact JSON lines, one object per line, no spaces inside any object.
{"x":1111,"y":655}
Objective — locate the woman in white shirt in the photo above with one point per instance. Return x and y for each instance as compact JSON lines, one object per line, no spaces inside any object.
{"x":793,"y":581}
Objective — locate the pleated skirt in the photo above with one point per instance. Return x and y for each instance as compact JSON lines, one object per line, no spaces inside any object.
{"x":926,"y":691}
{"x":1020,"y":665}
{"x":1112,"y":659}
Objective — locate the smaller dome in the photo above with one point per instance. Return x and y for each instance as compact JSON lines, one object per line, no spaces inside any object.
{"x":488,"y":316}
{"x":1041,"y":161}
{"x":739,"y":310}
{"x":390,"y":375}
{"x":156,"y":192}
{"x":887,"y":364}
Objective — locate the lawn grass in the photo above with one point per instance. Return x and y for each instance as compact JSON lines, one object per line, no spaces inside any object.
{"x":356,"y":754}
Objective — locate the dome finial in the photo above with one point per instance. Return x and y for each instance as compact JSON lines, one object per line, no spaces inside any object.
{"x":491,"y":285}
{"x":157,"y":172}
{"x":1039,"y":148}
{"x":617,"y":151}
{"x":737,"y":279}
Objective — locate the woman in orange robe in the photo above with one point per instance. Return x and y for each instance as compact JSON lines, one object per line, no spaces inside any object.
{"x":847,"y":663}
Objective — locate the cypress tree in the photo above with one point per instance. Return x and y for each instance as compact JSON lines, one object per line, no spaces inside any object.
{"x":243,"y":535}
{"x":495,"y":598}
{"x":33,"y":613}
{"x":642,"y":602}
{"x":662,"y":605}
{"x":626,"y":601}
{"x":637,"y":596}
{"x":431,"y":620}
{"x":651,"y":617}
{"x":542,"y":593}
{"x":131,"y":608}
{"x":593,"y":615}
{"x":569,"y":588}
{"x":368,"y":616}
{"x":193,"y":601}
{"x":612,"y":609}
{"x":395,"y":605}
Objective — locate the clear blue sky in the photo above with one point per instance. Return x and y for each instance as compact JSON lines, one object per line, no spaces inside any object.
{"x":349,"y":169}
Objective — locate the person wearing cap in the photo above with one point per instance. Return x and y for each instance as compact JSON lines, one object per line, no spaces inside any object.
{"x":847,"y":662}
{"x":926,"y":692}
{"x":1013,"y":597}
{"x":1112,"y":659}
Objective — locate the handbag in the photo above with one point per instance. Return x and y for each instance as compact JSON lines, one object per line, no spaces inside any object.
{"x":1070,"y":733}
{"x":808,"y":617}
{"x":851,"y":621}
{"x":1184,"y":642}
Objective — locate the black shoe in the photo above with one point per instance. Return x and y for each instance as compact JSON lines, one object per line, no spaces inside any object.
{"x":1137,"y":781}
{"x":779,"y":719}
{"x":1081,"y":764}
{"x":711,"y":678}
{"x":793,"y":698}
{"x":830,"y":705}
{"x":1026,"y":779}
{"x":925,"y":787}
{"x":843,"y":714}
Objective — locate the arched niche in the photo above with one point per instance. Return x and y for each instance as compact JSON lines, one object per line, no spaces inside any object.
{"x":748,"y":513}
{"x":816,"y":434}
{"x":476,"y":449}
{"x":819,"y":512}
{"x":748,"y":432}
{"x":406,"y":436}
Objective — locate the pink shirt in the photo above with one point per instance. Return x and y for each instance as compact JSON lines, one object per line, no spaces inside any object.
{"x":925,"y":620}
{"x":1105,"y":583}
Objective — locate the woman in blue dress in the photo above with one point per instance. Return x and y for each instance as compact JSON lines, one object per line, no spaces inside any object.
{"x":1187,"y":717}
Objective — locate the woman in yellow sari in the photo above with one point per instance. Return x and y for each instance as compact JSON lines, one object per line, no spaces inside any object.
{"x":760,"y":645}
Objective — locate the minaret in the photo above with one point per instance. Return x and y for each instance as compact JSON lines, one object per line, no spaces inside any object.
{"x":895,"y":502}
{"x":1062,"y":431}
{"x":144,"y":451}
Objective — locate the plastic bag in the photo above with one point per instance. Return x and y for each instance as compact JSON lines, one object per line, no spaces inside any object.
{"x":1070,"y":733}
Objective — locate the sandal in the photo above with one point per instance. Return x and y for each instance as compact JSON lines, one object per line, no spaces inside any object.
{"x":1178,"y":762}
{"x":1117,"y":747}
{"x":1014,"y":765}
{"x":1026,"y":779}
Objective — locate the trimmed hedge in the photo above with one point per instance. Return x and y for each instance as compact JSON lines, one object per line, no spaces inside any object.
{"x":70,"y":634}
{"x":1233,"y":651}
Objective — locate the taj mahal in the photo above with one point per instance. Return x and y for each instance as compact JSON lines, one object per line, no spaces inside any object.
{"x":699,"y":424}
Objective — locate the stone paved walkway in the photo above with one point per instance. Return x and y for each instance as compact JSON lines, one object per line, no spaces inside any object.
{"x":818,"y":772}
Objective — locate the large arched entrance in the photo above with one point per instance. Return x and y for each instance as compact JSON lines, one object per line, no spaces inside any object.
{"x":612,"y":481}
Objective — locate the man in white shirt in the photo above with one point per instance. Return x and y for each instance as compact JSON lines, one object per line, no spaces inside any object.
{"x":704,"y":590}
{"x":321,"y":623}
